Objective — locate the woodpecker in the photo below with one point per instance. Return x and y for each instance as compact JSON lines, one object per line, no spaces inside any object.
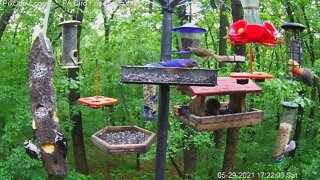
{"x":61,"y":142}
{"x":32,"y":150}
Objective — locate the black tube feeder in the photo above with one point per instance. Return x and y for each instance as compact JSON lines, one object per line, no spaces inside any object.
{"x":70,"y":54}
{"x":293,"y":37}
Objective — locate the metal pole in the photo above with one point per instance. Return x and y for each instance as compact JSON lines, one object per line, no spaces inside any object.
{"x":164,"y":97}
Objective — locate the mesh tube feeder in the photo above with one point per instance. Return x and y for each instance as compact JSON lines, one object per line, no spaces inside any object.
{"x":293,"y":39}
{"x":285,"y":127}
{"x":70,"y":54}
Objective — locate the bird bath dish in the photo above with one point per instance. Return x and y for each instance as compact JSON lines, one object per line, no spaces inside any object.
{"x":169,"y":75}
{"x":123,"y":139}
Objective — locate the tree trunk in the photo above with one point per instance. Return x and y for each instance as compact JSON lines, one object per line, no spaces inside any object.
{"x":8,"y":10}
{"x":222,"y":33}
{"x":237,"y":14}
{"x":76,"y":117}
{"x":189,"y":157}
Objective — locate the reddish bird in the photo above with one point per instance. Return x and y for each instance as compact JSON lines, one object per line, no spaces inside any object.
{"x":301,"y":74}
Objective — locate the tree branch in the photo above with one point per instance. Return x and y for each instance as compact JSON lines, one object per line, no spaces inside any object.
{"x":63,"y":8}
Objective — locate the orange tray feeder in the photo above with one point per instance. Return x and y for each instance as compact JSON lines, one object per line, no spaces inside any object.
{"x":254,"y":75}
{"x":97,"y":101}
{"x":259,"y":76}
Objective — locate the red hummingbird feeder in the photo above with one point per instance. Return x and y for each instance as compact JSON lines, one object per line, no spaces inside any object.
{"x":252,"y":29}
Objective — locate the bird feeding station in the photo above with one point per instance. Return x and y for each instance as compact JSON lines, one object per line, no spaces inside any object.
{"x":164,"y":77}
{"x":285,"y":127}
{"x":97,"y":101}
{"x":253,"y":30}
{"x":189,"y":35}
{"x":195,"y":116}
{"x":123,"y":139}
{"x":231,"y":115}
{"x":293,"y":39}
{"x":70,"y":56}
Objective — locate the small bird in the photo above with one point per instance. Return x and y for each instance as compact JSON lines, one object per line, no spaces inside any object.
{"x":290,"y":147}
{"x":32,"y":150}
{"x":205,"y":53}
{"x":301,"y":74}
{"x":180,"y":63}
{"x":212,"y":107}
{"x":62,"y":143}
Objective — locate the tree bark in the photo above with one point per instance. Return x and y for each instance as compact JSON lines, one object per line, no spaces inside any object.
{"x":237,"y":14}
{"x":237,"y":104}
{"x":43,"y":107}
{"x":189,"y":157}
{"x":9,"y":7}
{"x":76,"y":117}
{"x":222,"y":33}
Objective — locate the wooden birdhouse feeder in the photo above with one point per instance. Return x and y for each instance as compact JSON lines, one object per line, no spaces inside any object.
{"x":123,"y":139}
{"x":189,"y":35}
{"x":195,"y":116}
{"x":70,"y":56}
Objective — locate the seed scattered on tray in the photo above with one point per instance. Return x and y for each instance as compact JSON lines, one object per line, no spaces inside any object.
{"x":124,"y":137}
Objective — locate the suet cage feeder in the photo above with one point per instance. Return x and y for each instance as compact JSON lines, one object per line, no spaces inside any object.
{"x":293,"y":39}
{"x":189,"y":35}
{"x":70,"y":54}
{"x":123,"y":139}
{"x":285,"y":127}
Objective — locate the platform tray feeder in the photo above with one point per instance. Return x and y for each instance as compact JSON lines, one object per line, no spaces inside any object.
{"x":123,"y":139}
{"x":169,"y":76}
{"x":208,"y":123}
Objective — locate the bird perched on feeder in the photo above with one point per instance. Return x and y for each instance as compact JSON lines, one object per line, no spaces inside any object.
{"x":62,"y":143}
{"x":180,"y":63}
{"x":205,"y":53}
{"x":212,"y":107}
{"x":289,"y":147}
{"x":301,"y":74}
{"x":32,"y":150}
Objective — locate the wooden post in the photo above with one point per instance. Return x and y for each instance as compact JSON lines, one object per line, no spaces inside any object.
{"x":237,"y":104}
{"x":43,"y":107}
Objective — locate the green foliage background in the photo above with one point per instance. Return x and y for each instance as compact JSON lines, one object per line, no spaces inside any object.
{"x":135,"y":39}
